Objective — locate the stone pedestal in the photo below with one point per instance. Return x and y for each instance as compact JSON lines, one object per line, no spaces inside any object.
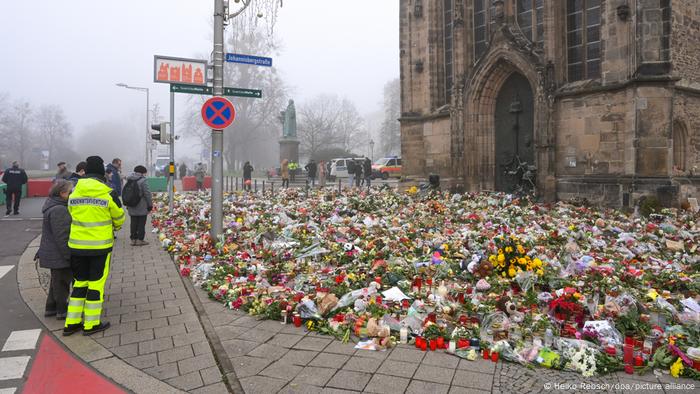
{"x":289,"y":149}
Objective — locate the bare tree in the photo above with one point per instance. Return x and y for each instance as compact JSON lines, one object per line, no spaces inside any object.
{"x":16,"y":131}
{"x":327,"y":122}
{"x":54,"y":129}
{"x":390,"y":132}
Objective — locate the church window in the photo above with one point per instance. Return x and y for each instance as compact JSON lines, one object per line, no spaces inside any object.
{"x":531,"y":19}
{"x":583,"y":39}
{"x":679,"y":146}
{"x":484,"y":12}
{"x":449,"y":48}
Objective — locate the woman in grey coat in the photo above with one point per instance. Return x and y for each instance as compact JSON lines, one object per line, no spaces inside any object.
{"x":53,"y":251}
{"x":139,"y":212}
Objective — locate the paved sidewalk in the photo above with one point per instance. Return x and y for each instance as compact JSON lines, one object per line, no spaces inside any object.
{"x":156,"y":342}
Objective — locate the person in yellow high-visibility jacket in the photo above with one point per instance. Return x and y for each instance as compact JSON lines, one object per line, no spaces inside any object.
{"x":96,"y":212}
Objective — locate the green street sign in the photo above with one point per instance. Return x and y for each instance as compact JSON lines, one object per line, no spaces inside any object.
{"x":235,"y":92}
{"x":191,"y":89}
{"x":250,"y":93}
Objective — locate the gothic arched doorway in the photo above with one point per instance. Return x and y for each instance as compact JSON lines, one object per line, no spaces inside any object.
{"x":514,"y":136}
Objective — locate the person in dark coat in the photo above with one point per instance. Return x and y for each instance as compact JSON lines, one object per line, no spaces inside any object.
{"x":54,"y":253}
{"x":139,"y":212}
{"x":183,"y":170}
{"x":367,"y":169}
{"x":116,"y":182}
{"x":62,"y":171}
{"x":311,"y":168}
{"x":247,"y":175}
{"x":358,"y":172}
{"x":14,"y":177}
{"x":79,"y":172}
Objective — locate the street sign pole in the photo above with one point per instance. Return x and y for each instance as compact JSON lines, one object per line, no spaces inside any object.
{"x":171,"y":166}
{"x":217,"y":136}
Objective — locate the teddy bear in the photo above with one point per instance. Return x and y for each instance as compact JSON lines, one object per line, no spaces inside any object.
{"x":507,"y":306}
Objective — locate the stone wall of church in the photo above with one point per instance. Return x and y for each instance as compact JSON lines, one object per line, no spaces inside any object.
{"x":685,"y":115}
{"x":425,"y":146}
{"x":685,"y":39}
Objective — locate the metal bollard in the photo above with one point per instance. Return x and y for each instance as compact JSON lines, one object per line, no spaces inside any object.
{"x":236,"y":183}
{"x":256,"y":185}
{"x":263,"y":187}
{"x":340,"y":185}
{"x":272,"y":187}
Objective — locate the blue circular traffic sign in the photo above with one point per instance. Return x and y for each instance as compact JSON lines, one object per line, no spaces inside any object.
{"x":218,"y":113}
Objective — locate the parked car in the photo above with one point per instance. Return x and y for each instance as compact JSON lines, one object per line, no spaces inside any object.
{"x":387,"y":167}
{"x":339,"y":167}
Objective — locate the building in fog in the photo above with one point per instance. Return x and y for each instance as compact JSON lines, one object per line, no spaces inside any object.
{"x":599,"y":99}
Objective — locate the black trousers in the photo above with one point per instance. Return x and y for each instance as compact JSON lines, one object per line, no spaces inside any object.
{"x":59,"y":289}
{"x":138,"y":227}
{"x":285,"y":182}
{"x":9,"y":197}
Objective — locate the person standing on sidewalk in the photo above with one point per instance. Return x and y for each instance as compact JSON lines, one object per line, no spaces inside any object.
{"x":199,"y":173}
{"x":54,"y":253}
{"x":96,"y":213}
{"x":367,"y":170}
{"x":139,"y":202}
{"x":351,"y":172}
{"x":284,"y":172}
{"x":15,"y":178}
{"x":116,"y":178}
{"x":247,"y":176}
{"x":79,"y":172}
{"x":322,"y":174}
{"x":62,"y":172}
{"x":183,"y":171}
{"x":311,"y":168}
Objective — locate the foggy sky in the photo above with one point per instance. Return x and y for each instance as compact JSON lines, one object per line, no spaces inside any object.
{"x":72,"y":52}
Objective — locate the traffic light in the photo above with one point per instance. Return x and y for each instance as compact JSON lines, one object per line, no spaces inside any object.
{"x":162,"y":132}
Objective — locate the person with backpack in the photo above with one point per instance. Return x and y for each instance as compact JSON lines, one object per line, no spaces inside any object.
{"x":15,"y":178}
{"x":139,"y":202}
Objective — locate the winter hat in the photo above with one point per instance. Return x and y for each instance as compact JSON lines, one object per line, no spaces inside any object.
{"x":95,"y":165}
{"x":140,"y":169}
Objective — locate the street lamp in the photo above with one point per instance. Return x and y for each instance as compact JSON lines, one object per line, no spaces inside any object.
{"x":148,"y":133}
{"x":371,"y":149}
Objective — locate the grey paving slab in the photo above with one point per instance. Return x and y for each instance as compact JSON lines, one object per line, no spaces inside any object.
{"x":176,"y":354}
{"x":262,"y":384}
{"x":299,"y":357}
{"x":255,"y":335}
{"x":312,"y":343}
{"x":269,"y":351}
{"x":246,"y":366}
{"x":478,"y":365}
{"x":379,"y":354}
{"x":210,"y":375}
{"x":341,"y":348}
{"x":282,"y":370}
{"x":137,"y":336}
{"x":294,"y":388}
{"x":349,"y":380}
{"x":196,"y":363}
{"x":237,"y":347}
{"x":362,"y":364}
{"x":407,"y":354}
{"x":283,"y":340}
{"x":314,"y":376}
{"x":441,"y":359}
{"x":143,"y":362}
{"x":270,"y":325}
{"x":430,"y":373}
{"x":226,"y":333}
{"x":474,"y":380}
{"x":385,"y":384}
{"x":398,"y":368}
{"x":217,"y":388}
{"x":466,"y":390}
{"x":187,"y":382}
{"x":421,"y":387}
{"x":329,"y":360}
{"x":155,"y":345}
{"x":163,"y":372}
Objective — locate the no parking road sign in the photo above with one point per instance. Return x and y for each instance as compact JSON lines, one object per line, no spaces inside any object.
{"x":218,"y":113}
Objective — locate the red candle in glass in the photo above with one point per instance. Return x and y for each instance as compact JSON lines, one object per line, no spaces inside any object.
{"x":628,"y":355}
{"x":487,"y":354}
{"x":460,"y":298}
{"x":424,"y":345}
{"x":405,"y":304}
{"x":433,"y":344}
{"x":419,"y":340}
{"x":494,"y":356}
{"x":379,"y":299}
{"x":378,"y":279}
{"x":638,"y":361}
{"x":441,"y":343}
{"x":429,"y":281}
{"x":629,"y":369}
{"x":297,"y":321}
{"x":462,"y":343}
{"x":629,"y":340}
{"x":418,"y":282}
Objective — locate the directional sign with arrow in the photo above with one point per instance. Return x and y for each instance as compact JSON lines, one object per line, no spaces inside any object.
{"x":207,"y":90}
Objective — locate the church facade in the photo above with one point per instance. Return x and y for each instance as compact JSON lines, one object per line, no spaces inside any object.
{"x":594,"y":99}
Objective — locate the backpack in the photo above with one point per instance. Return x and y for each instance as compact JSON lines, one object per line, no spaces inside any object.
{"x":131,"y":193}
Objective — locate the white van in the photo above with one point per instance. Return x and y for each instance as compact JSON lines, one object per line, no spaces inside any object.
{"x":339,"y":167}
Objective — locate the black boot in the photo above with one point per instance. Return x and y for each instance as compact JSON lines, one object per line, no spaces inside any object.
{"x":72,"y":329}
{"x":100,"y":327}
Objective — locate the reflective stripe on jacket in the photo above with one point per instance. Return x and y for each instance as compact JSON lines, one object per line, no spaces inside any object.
{"x":95,"y":216}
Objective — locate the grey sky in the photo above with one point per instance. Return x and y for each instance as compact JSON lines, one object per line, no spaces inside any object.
{"x":72,"y":52}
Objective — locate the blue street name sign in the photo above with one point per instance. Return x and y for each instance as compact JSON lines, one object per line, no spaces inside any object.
{"x":249,"y":59}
